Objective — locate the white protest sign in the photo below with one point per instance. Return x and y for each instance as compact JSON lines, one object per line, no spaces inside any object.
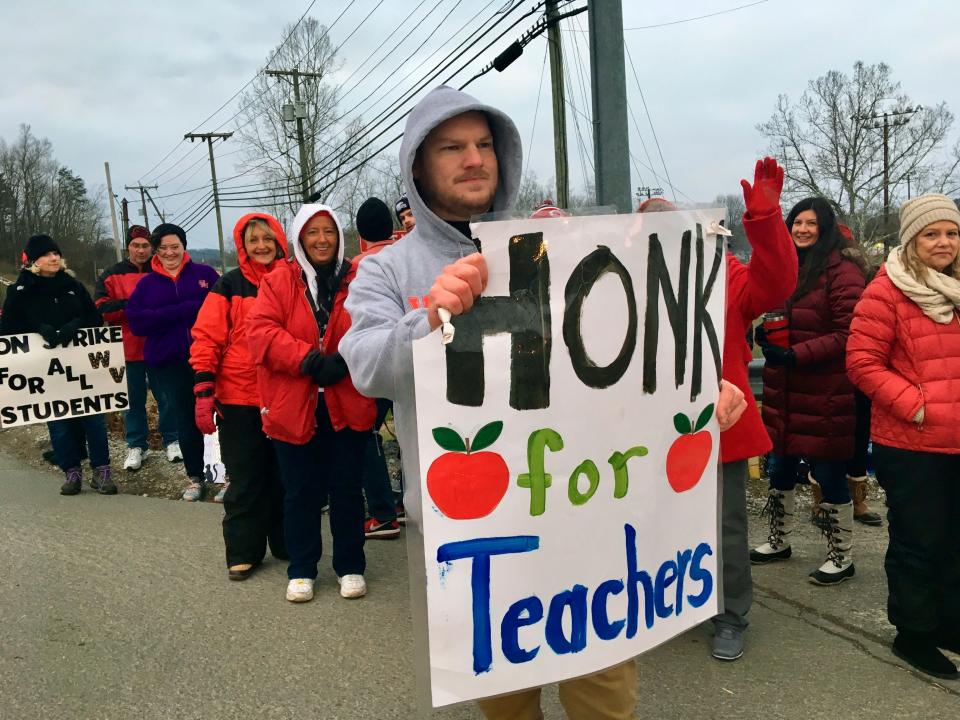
{"x":569,"y":451}
{"x":38,"y":384}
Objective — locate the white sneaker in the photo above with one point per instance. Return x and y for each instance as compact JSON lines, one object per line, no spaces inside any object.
{"x":300,"y":590}
{"x":135,"y":458}
{"x":352,"y":586}
{"x":173,"y":452}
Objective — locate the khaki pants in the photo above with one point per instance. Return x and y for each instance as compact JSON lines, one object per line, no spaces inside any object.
{"x":608,"y":695}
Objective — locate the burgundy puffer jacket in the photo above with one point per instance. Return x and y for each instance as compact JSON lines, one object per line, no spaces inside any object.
{"x":809,"y":409}
{"x":902,"y":360}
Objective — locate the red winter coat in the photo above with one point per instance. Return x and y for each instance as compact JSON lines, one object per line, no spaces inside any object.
{"x":765,"y":283}
{"x":902,"y":360}
{"x":219,"y":351}
{"x":114,"y":287}
{"x":809,"y":409}
{"x":281,"y":330}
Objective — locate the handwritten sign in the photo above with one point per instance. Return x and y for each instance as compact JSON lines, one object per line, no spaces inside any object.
{"x":38,"y":384}
{"x":568,"y":449}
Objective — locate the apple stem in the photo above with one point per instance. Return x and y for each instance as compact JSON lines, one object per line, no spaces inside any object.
{"x":467,"y":443}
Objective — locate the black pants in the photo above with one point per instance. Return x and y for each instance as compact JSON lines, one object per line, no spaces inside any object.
{"x":857,"y":466}
{"x":329,"y":465}
{"x":253,"y":505}
{"x":176,"y":382}
{"x":923,"y":518}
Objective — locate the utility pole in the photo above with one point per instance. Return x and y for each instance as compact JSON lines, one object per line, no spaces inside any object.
{"x":159,"y":212}
{"x":113,"y":213}
{"x":893,"y":118}
{"x":299,"y":113}
{"x":648,"y":191}
{"x":559,"y":105}
{"x":125,"y":216}
{"x":209,"y":137}
{"x":611,"y":140}
{"x":143,"y":200}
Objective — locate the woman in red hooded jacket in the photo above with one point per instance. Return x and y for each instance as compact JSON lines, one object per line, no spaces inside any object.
{"x":318,"y":421}
{"x":225,"y":380}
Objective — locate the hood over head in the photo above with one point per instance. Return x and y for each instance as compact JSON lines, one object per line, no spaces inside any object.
{"x":438,"y":106}
{"x":254,"y":271}
{"x":300,"y":255}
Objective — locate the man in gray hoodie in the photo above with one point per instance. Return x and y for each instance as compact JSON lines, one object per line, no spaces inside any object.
{"x":459,"y":158}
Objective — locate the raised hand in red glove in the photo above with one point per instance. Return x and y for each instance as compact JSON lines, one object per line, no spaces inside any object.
{"x":763,"y":197}
{"x":203,"y":409}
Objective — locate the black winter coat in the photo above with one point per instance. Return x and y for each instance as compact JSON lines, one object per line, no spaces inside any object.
{"x":33,"y":301}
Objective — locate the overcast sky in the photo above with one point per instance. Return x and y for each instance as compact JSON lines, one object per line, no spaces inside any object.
{"x":123,"y":81}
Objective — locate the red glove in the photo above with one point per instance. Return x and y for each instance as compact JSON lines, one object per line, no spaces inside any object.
{"x":764,"y":197}
{"x":204,"y":408}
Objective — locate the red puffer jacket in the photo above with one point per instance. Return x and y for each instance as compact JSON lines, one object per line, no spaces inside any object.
{"x":809,"y":409}
{"x":765,"y":283}
{"x":219,"y":351}
{"x":902,"y":360}
{"x":281,"y":330}
{"x":114,"y":287}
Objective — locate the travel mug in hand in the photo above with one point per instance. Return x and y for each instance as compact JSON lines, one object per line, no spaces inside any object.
{"x":777,"y":330}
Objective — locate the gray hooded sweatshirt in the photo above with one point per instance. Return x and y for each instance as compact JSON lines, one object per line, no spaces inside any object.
{"x":386,"y":298}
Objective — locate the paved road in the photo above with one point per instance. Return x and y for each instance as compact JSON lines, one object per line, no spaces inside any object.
{"x":118,"y":607}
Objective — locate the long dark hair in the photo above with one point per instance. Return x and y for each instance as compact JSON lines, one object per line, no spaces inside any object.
{"x":830,"y":239}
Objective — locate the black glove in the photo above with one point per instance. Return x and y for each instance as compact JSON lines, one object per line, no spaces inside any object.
{"x":324,"y":369}
{"x":50,"y":335}
{"x":760,"y":335}
{"x":778,"y":356}
{"x":67,"y":331}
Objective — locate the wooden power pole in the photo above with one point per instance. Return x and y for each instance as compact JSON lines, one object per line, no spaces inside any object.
{"x":611,"y":140}
{"x":559,"y":105}
{"x":210,"y":137}
{"x":113,"y":213}
{"x":143,"y":200}
{"x":300,"y":114}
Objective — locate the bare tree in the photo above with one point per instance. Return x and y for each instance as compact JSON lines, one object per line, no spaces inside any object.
{"x":829,"y":146}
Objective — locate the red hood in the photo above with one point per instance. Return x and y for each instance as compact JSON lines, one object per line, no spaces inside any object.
{"x":158,"y":266}
{"x":254,"y":271}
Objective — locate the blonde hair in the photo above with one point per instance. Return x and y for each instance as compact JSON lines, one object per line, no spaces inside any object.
{"x":916,"y":267}
{"x":35,"y":269}
{"x":254,"y":222}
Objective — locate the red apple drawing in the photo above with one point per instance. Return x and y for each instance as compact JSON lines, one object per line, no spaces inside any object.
{"x":689,"y":454}
{"x":465,"y":484}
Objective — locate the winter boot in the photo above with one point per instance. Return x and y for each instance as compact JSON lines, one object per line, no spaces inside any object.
{"x":779,"y":509}
{"x":861,"y":511}
{"x":836,"y":525}
{"x":71,"y":486}
{"x":919,"y":650}
{"x":102,"y":482}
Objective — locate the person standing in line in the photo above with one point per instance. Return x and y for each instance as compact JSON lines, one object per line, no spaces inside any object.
{"x":808,"y":401}
{"x":318,"y":421}
{"x":225,"y":384}
{"x":405,"y":214}
{"x":114,"y":288}
{"x":47,"y":299}
{"x":163,"y":308}
{"x":904,"y":354}
{"x":375,"y":228}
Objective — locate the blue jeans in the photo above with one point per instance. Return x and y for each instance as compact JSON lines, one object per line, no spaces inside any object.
{"x":831,"y":475}
{"x":376,"y":477}
{"x":176,"y":383}
{"x":135,"y":418}
{"x":67,"y":437}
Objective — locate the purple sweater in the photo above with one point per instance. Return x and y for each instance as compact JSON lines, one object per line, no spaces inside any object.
{"x":163,"y":310}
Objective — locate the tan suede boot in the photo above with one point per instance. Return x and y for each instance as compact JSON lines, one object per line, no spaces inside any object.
{"x":861,"y":511}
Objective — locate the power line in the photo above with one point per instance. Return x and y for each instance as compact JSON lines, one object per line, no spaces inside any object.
{"x":650,"y":121}
{"x":698,"y":17}
{"x":536,"y":109}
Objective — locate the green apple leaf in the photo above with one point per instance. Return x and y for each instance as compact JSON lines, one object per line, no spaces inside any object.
{"x":682,"y":423}
{"x":487,"y":436}
{"x":449,"y":439}
{"x":704,"y":418}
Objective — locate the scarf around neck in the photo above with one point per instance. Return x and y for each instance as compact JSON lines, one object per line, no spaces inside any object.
{"x":937,"y":294}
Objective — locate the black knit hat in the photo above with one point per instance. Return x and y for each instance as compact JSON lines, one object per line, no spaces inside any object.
{"x":38,"y":246}
{"x":164,"y":229}
{"x":374,"y":223}
{"x":401,"y":205}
